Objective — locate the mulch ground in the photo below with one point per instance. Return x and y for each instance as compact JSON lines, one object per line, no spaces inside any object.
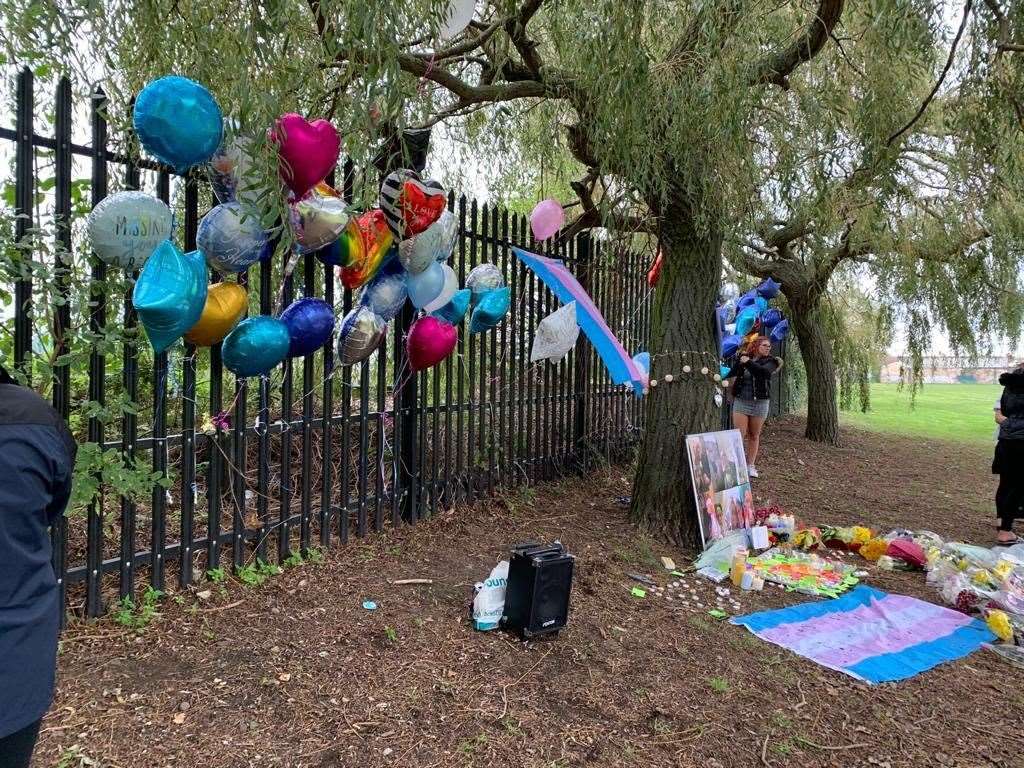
{"x":297,"y":673}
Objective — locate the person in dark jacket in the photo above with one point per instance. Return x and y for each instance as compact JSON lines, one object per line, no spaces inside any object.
{"x":751,"y":389}
{"x":1008,"y":462}
{"x":36,"y":464}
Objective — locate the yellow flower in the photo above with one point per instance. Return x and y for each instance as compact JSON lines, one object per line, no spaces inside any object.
{"x":861,"y":534}
{"x":874,"y":549}
{"x":999,"y":623}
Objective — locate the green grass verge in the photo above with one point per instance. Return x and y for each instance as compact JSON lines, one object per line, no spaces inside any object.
{"x":960,"y":412}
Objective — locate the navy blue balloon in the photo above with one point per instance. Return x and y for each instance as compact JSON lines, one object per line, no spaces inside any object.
{"x":178,"y":122}
{"x":310,"y":324}
{"x":730,"y":345}
{"x":771,"y":317}
{"x":780,"y":331}
{"x":746,"y":300}
{"x":255,"y":346}
{"x":386,"y":293}
{"x":489,"y":310}
{"x":769,"y":289}
{"x":455,"y":310}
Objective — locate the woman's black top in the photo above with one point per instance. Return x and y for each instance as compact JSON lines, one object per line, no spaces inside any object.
{"x":1012,"y":405}
{"x":753,"y":378}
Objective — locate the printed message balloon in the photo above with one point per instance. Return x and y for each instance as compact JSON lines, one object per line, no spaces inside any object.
{"x":310,"y":323}
{"x":426,"y":286}
{"x":451,"y":285}
{"x":770,"y":318}
{"x":455,"y":310}
{"x":386,"y":293}
{"x":319,"y":218}
{"x":780,"y":331}
{"x":225,"y":305}
{"x":420,"y":251}
{"x":546,"y":219}
{"x":362,"y":331}
{"x":364,"y":244}
{"x":231,"y":238}
{"x":410,"y":203}
{"x":483,"y":278}
{"x":429,"y":342}
{"x":488,"y":312}
{"x":170,"y":294}
{"x":125,"y":227}
{"x":308,"y":151}
{"x":178,"y":122}
{"x":255,"y":346}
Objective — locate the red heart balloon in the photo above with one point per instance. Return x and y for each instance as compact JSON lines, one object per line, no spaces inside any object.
{"x":429,"y":342}
{"x":307,"y":151}
{"x":421,"y":206}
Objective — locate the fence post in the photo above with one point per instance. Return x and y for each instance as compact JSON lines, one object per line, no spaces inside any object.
{"x":24,"y":192}
{"x":581,"y":372}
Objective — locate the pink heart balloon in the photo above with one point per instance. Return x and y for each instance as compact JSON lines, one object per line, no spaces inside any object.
{"x":308,"y":151}
{"x":429,"y":342}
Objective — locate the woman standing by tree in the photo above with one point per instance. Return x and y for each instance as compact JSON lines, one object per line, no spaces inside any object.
{"x":750,"y":391}
{"x":1009,"y":458}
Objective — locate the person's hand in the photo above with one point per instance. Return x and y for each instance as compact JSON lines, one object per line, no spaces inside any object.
{"x":744,"y":358}
{"x":779,"y":360}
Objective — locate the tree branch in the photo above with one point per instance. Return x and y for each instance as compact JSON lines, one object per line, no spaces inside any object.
{"x":942,"y":76}
{"x":776,"y":69}
{"x":516,"y":29}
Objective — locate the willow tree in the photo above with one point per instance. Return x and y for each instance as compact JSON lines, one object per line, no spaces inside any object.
{"x":903,"y":170}
{"x":659,"y":103}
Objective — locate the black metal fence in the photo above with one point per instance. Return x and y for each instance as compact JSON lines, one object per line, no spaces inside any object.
{"x":314,"y":453}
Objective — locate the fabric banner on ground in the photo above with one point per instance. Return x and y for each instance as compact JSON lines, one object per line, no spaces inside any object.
{"x":560,"y":280}
{"x":871,"y":635}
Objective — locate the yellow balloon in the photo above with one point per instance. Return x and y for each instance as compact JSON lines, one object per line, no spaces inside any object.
{"x":225,"y":305}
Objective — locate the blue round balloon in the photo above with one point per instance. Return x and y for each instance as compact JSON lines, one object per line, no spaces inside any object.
{"x":386,"y":293}
{"x":489,"y":310}
{"x":231,"y":238}
{"x":178,"y":122}
{"x":455,"y":310}
{"x":745,"y":320}
{"x":769,"y":289}
{"x":255,"y":346}
{"x":731,"y":345}
{"x":170,"y":293}
{"x":310,"y":323}
{"x":425,"y":286}
{"x":780,"y":331}
{"x":771,"y":317}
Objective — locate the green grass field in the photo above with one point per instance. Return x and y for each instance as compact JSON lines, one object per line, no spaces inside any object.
{"x":960,"y":412}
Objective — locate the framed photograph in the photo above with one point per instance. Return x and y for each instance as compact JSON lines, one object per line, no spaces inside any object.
{"x":721,"y":487}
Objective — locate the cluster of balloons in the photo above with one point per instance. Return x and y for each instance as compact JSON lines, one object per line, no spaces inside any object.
{"x":748,"y":316}
{"x":396,"y":252}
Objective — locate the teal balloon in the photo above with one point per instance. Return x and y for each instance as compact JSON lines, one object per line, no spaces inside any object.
{"x":745,"y":320}
{"x":425,"y":286}
{"x":178,"y":122}
{"x":492,"y":306}
{"x":170,"y":293}
{"x":455,"y":310}
{"x":723,"y":370}
{"x":255,"y":346}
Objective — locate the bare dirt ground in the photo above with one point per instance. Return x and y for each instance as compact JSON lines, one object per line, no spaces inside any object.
{"x":297,"y":673}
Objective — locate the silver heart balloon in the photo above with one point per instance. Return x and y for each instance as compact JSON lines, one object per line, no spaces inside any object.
{"x":420,"y":251}
{"x":361,"y":332}
{"x":449,"y":226}
{"x":319,"y":217}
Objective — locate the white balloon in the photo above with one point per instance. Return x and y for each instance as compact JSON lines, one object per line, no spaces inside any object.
{"x":126,"y":227}
{"x":457,"y":18}
{"x":451,"y":285}
{"x":556,"y":334}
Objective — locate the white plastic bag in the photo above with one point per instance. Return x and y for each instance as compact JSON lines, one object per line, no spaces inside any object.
{"x":489,"y":602}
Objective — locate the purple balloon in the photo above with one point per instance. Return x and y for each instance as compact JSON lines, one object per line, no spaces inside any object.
{"x":310,"y":323}
{"x":769,"y":289}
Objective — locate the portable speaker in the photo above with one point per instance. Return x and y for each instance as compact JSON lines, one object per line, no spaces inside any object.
{"x":537,"y":594}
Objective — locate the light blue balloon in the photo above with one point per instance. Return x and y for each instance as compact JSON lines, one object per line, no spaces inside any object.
{"x":178,"y":122}
{"x":745,"y":320}
{"x":643,"y":361}
{"x":426,"y":286}
{"x":761,"y":303}
{"x":723,"y":370}
{"x":231,"y":238}
{"x":492,"y":306}
{"x":255,"y":346}
{"x":455,"y":310}
{"x":170,"y":293}
{"x":386,"y":293}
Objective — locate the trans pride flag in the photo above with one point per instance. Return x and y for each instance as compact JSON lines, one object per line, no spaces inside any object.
{"x":560,"y":280}
{"x":871,"y":635}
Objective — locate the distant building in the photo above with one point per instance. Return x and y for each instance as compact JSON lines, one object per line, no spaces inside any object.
{"x":945,"y":369}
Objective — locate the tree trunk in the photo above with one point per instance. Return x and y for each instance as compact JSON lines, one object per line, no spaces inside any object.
{"x":816,"y":350}
{"x":682,"y":333}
